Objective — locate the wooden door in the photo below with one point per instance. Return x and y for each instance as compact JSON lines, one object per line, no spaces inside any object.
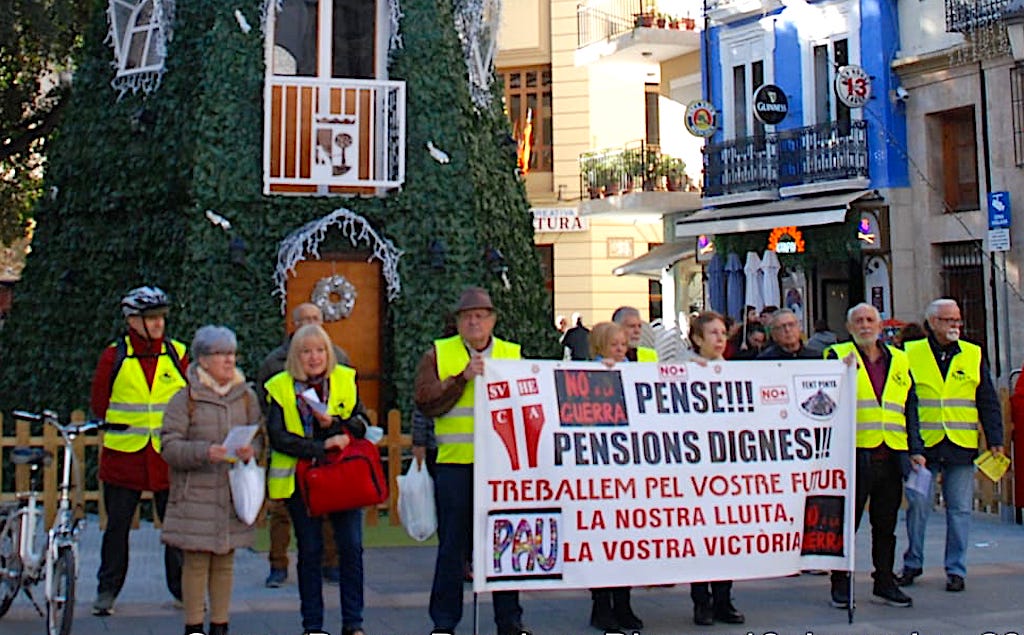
{"x":359,"y":334}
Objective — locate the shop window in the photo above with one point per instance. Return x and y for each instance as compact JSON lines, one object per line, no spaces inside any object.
{"x":528,"y":105}
{"x":963,"y":279}
{"x":1017,"y":113}
{"x":959,"y":156}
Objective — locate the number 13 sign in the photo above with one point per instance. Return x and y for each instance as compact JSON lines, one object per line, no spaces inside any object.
{"x":853,"y":86}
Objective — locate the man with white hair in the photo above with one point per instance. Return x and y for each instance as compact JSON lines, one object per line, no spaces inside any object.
{"x":955,"y":394}
{"x":888,"y":442}
{"x":629,"y":319}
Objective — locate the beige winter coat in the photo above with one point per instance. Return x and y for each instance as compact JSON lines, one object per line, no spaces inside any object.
{"x":200,"y":513}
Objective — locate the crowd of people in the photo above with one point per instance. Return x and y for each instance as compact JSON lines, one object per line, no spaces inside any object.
{"x":920,"y":402}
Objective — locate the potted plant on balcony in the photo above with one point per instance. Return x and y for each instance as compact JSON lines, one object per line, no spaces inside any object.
{"x":688,"y":23}
{"x":661,"y":20}
{"x":675,"y":177}
{"x":675,"y":23}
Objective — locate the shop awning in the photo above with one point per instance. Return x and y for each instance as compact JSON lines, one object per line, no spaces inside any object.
{"x":816,"y":210}
{"x":658,"y":259}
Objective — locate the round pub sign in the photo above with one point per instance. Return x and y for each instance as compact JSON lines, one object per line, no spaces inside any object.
{"x":853,"y":86}
{"x":770,"y":104}
{"x":701,"y":118}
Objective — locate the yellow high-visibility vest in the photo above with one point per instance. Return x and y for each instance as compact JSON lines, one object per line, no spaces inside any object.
{"x":134,"y":403}
{"x":645,"y":354}
{"x":454,"y":429}
{"x":884,"y":422}
{"x":947,"y":406}
{"x":341,"y":400}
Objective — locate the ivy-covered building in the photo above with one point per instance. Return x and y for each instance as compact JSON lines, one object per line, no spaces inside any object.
{"x":250,"y":156}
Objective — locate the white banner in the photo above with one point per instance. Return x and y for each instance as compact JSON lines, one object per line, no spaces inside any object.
{"x":661,"y":473}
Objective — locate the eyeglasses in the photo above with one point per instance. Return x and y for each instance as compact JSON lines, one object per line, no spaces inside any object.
{"x":785,"y":326}
{"x":223,"y":353}
{"x":949,"y":320}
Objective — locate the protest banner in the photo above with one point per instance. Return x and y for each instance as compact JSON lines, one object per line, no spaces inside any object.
{"x":650,"y":473}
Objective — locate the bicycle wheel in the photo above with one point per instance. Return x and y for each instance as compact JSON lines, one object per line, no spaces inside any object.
{"x":10,"y":562}
{"x":60,"y":607}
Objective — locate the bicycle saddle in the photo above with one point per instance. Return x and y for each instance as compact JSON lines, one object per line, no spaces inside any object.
{"x":25,"y":455}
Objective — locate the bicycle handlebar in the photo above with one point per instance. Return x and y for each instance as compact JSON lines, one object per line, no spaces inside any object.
{"x":51,"y":417}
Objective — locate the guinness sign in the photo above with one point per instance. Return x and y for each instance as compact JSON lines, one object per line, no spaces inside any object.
{"x":770,"y":104}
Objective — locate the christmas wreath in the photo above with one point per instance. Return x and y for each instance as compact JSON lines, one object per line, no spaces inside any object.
{"x":326,"y":290}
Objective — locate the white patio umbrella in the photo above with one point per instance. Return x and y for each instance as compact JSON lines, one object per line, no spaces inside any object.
{"x":752,"y":270}
{"x":770,"y":292}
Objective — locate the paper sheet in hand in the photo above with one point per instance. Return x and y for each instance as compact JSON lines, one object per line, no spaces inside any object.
{"x":920,"y":480}
{"x":239,"y":437}
{"x":991,"y":465}
{"x":314,"y":401}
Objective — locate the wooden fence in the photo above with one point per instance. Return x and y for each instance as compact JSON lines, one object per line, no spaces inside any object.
{"x":394,"y":443}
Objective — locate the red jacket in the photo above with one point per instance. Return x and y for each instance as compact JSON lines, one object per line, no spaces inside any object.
{"x":144,"y":470}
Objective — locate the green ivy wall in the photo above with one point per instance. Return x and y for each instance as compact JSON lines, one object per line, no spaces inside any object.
{"x":130,"y":203}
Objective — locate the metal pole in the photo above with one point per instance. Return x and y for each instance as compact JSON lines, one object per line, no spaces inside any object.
{"x":1010,"y":365}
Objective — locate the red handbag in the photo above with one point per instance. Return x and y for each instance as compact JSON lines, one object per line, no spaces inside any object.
{"x":349,"y":479}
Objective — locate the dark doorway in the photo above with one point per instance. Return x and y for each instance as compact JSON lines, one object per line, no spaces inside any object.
{"x":963,"y":279}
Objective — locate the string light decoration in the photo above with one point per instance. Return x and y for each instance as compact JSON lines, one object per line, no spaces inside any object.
{"x":306,"y":240}
{"x":477,"y":22}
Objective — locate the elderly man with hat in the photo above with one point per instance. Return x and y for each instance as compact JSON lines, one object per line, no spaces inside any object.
{"x":135,"y":378}
{"x":444,"y":390}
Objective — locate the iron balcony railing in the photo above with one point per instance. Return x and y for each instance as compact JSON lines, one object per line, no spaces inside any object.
{"x":825,"y":152}
{"x":813,"y":154}
{"x":599,"y":21}
{"x":636,"y":167}
{"x":963,"y":16}
{"x":748,"y":164}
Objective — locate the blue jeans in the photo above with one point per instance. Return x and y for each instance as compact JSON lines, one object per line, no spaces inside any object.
{"x":454,"y":494}
{"x":348,"y":536}
{"x":958,"y":492}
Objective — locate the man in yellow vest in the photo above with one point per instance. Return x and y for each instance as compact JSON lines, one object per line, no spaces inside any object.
{"x":629,"y":319}
{"x":135,"y":378}
{"x":888,"y":441}
{"x":955,"y":394}
{"x":444,"y":390}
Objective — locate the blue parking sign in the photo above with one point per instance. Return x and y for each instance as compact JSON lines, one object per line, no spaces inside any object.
{"x":998,"y":210}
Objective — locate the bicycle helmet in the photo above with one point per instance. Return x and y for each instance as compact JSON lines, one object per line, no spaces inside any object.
{"x":144,"y":301}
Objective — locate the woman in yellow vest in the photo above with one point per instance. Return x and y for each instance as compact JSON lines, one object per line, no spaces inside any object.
{"x":712,"y":601}
{"x":310,"y":411}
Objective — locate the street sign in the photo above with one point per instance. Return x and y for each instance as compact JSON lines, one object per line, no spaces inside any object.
{"x":998,"y":210}
{"x":999,"y":239}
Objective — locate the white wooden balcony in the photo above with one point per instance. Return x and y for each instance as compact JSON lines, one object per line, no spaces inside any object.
{"x":336,"y":136}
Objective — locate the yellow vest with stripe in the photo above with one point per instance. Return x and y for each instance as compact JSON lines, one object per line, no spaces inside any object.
{"x":454,"y":429}
{"x":645,"y":354}
{"x":134,"y":403}
{"x":341,"y":400}
{"x":947,"y":406}
{"x":884,"y":422}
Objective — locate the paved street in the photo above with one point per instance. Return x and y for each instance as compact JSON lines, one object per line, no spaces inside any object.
{"x":398,"y":583}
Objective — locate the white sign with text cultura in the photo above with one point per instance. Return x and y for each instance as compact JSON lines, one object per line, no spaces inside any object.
{"x":661,"y":473}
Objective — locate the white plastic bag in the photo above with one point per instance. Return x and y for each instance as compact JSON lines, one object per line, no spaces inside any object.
{"x":416,"y":502}
{"x":247,"y":488}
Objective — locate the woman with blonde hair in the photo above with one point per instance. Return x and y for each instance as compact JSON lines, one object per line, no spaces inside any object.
{"x":611,"y":609}
{"x":313,"y":408}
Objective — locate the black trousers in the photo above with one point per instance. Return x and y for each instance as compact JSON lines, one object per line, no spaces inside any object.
{"x":715,"y":593}
{"x":880,"y":478}
{"x":120,"y":503}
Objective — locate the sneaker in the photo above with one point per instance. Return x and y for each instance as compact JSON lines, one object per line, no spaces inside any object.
{"x":954,"y":583}
{"x":892,"y":596}
{"x":104,"y":604}
{"x":907,"y":577}
{"x":332,"y":575}
{"x":276,"y":578}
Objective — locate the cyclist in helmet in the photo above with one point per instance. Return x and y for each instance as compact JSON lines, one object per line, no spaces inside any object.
{"x":135,"y":378}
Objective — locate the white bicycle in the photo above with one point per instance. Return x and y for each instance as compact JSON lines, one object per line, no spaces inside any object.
{"x":30,"y":558}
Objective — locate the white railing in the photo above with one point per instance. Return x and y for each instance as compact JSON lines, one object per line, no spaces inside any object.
{"x":333,"y":136}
